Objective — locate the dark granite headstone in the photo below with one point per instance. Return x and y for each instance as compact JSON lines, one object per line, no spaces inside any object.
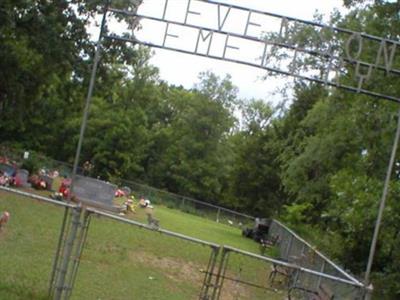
{"x":93,"y":191}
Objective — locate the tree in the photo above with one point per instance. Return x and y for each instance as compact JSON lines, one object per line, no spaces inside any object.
{"x":255,"y":186}
{"x":336,"y":150}
{"x":38,"y":53}
{"x":218,"y":90}
{"x":189,"y":154}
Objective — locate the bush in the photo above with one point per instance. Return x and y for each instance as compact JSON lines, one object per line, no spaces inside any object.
{"x":31,"y":164}
{"x":189,"y":209}
{"x":295,"y":214}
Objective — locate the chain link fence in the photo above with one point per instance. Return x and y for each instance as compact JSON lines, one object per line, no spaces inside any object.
{"x":294,"y":249}
{"x":300,"y":273}
{"x":27,"y":244}
{"x":244,"y":275}
{"x":34,"y":160}
{"x":143,"y":262}
{"x":157,"y":196}
{"x":189,"y":205}
{"x":139,"y":262}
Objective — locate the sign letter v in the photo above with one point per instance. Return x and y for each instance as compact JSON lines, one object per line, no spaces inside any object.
{"x":220,"y":25}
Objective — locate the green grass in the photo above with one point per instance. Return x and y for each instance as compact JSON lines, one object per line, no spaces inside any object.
{"x":198,"y":227}
{"x":121,"y":261}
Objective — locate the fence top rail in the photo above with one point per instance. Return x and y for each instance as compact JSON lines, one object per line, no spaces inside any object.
{"x":160,"y":230}
{"x":336,"y":267}
{"x":189,"y":199}
{"x":37,"y":197}
{"x":292,"y":266}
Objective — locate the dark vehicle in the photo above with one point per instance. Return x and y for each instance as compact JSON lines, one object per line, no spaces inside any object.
{"x":260,"y":230}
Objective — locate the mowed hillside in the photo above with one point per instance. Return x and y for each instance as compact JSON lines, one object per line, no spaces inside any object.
{"x":120,"y":261}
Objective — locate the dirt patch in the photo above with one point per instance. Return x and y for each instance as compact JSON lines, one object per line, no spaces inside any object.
{"x":175,"y":269}
{"x":178,"y":270}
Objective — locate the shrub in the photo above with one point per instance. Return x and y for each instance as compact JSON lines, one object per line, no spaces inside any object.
{"x":31,"y":164}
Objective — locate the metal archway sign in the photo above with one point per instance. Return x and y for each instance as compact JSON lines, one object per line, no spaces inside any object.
{"x":230,"y":32}
{"x":225,"y":32}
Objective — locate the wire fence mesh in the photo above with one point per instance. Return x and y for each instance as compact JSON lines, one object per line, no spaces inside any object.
{"x":294,"y":249}
{"x":250,"y":276}
{"x":122,"y":259}
{"x":306,"y":285}
{"x":189,"y":205}
{"x":158,"y":196}
{"x":27,"y":245}
{"x":142,"y":264}
{"x":291,"y":247}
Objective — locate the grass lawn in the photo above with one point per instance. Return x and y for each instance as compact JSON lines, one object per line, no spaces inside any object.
{"x":121,"y":261}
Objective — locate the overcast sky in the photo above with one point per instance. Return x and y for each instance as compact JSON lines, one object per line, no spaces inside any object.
{"x":183,"y":69}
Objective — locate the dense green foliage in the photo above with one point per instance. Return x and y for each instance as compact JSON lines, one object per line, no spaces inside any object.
{"x":320,"y":162}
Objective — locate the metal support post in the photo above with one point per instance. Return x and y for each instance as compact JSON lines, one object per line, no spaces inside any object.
{"x":289,"y":246}
{"x":219,"y":281}
{"x":209,"y":274}
{"x":223,"y":275}
{"x":89,"y":96}
{"x":69,"y":243}
{"x":61,"y":239}
{"x":218,"y":212}
{"x":368,"y":293}
{"x":382,"y":205}
{"x":291,"y":284}
{"x":55,"y":277}
{"x":322,"y":271}
{"x":78,"y":253}
{"x":183,"y":203}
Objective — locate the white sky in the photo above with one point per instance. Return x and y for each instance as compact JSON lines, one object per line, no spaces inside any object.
{"x":183,"y":69}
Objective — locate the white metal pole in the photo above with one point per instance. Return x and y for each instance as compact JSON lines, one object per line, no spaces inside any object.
{"x":382,"y":204}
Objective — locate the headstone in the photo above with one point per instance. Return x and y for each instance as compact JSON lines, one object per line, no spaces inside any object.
{"x":93,"y":191}
{"x":49,"y":182}
{"x":23,"y":175}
